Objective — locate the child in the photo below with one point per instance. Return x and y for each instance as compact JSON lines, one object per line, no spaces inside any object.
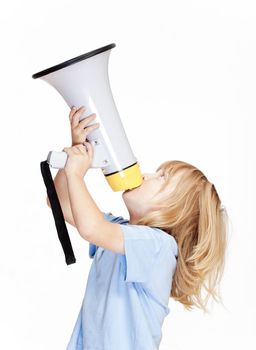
{"x":173,"y":245}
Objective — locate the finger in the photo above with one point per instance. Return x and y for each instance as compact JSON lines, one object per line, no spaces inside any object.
{"x":87,"y":120}
{"x":81,"y":148}
{"x":90,"y":128}
{"x":81,"y":109}
{"x":77,"y":146}
{"x":66,"y":149}
{"x":76,"y":116}
{"x":71,"y":150}
{"x":89,"y":148}
{"x":72,"y":112}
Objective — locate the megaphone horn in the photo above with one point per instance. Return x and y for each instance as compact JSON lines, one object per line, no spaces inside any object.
{"x":84,"y":80}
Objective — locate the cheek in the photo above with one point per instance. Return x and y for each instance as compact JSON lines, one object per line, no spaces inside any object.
{"x":155,"y":191}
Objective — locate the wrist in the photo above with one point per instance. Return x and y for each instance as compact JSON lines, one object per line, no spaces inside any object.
{"x":73,"y":176}
{"x":76,"y":143}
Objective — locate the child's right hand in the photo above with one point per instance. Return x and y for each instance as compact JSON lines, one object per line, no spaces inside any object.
{"x":79,"y":131}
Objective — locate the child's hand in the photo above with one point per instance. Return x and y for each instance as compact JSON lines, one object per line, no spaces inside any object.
{"x":79,"y":159}
{"x":79,"y":131}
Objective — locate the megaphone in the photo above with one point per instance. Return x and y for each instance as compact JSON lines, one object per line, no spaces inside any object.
{"x":84,"y":80}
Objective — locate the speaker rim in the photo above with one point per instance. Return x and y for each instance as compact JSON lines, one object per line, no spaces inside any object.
{"x":73,"y":61}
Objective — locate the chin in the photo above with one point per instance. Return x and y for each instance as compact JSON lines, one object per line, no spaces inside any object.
{"x":126,"y":193}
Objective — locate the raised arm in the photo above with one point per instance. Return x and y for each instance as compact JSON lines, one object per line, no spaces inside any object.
{"x":79,"y":132}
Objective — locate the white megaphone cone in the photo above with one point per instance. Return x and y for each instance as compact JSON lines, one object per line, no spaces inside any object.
{"x":84,"y":81}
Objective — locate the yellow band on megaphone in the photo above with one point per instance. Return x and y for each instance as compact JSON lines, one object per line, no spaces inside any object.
{"x":126,"y":179}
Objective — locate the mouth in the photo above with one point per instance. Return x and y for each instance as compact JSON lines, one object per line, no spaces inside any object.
{"x":130,"y":189}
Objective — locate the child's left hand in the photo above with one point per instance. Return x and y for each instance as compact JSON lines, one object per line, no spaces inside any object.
{"x":79,"y":159}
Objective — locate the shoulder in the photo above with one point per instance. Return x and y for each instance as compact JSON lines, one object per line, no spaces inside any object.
{"x":169,"y":240}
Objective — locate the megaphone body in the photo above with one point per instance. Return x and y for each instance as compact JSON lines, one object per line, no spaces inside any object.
{"x":84,"y":81}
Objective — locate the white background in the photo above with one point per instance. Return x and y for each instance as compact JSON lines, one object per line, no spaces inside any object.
{"x":183,"y":78}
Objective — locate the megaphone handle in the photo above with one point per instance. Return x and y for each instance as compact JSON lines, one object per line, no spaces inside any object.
{"x":57,"y":214}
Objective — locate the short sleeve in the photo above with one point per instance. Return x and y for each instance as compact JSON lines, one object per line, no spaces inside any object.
{"x":143,"y":247}
{"x":116,"y":219}
{"x":109,"y":217}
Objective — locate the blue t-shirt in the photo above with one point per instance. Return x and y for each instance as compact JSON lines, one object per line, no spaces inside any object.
{"x":126,"y":297}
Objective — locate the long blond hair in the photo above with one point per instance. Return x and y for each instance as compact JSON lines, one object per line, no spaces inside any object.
{"x":192,"y":213}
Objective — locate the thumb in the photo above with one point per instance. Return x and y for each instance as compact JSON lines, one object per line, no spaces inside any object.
{"x":65,"y":149}
{"x":89,"y":148}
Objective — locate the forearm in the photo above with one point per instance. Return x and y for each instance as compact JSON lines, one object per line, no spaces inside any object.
{"x":87,"y":216}
{"x":60,"y":184}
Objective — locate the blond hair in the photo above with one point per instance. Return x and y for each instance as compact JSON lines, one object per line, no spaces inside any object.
{"x":192,"y":213}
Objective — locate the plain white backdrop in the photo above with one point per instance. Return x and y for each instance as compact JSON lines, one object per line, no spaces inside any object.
{"x":183,"y":78}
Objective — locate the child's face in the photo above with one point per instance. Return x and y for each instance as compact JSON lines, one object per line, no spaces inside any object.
{"x":140,"y":199}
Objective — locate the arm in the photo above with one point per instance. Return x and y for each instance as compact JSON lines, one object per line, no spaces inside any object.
{"x":79,"y":132}
{"x":90,"y":221}
{"x":60,"y":182}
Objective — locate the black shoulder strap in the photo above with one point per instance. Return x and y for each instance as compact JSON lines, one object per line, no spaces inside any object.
{"x":57,"y":214}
